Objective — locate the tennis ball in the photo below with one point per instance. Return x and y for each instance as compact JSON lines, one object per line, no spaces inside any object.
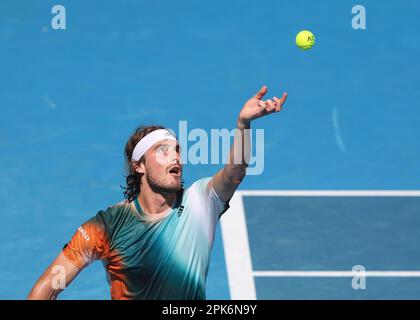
{"x":305,"y":40}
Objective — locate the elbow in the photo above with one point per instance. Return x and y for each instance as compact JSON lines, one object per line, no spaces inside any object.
{"x":235,"y":175}
{"x":43,"y":291}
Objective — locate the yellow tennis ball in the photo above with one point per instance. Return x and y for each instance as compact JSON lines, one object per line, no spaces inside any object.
{"x":305,"y":40}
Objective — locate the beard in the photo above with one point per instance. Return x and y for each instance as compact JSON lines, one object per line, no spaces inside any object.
{"x":161,"y":186}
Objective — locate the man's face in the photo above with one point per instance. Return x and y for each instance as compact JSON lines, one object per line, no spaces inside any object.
{"x":162,"y":168}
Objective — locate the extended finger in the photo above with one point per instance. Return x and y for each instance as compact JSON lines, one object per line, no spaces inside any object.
{"x":260,"y":94}
{"x":280,"y":102}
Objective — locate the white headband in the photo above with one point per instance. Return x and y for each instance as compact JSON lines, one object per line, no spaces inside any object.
{"x":149,"y":140}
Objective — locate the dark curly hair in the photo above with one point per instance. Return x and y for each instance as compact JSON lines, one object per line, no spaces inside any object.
{"x":133,"y":178}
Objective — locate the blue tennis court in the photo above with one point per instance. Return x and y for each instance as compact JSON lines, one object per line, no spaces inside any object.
{"x":70,"y":98}
{"x":316,"y":238}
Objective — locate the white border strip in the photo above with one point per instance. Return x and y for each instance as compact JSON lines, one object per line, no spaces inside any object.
{"x":333,"y":193}
{"x":338,"y":274}
{"x":237,"y":253}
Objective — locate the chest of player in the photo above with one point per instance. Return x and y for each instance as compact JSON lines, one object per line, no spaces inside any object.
{"x":173,"y":241}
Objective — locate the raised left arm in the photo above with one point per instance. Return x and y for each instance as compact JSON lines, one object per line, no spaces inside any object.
{"x":226,"y":181}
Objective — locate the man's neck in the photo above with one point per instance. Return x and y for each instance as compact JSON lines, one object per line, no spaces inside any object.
{"x":152,"y":202}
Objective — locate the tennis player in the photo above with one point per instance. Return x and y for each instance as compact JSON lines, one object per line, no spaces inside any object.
{"x":156,"y":243}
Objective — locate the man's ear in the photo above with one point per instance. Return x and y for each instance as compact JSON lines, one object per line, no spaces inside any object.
{"x":138,"y":166}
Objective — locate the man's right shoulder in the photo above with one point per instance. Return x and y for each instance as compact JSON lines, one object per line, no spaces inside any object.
{"x":115,"y":212}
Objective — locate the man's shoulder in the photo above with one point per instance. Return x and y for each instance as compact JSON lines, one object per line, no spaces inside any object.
{"x":114,"y":212}
{"x":198,"y":190}
{"x":200,"y":184}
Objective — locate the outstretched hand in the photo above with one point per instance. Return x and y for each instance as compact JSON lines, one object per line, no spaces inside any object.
{"x":256,"y":108}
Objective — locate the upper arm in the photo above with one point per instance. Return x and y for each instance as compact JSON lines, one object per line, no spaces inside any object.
{"x":89,"y":243}
{"x":223,"y":186}
{"x":206,"y":200}
{"x":55,"y":279}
